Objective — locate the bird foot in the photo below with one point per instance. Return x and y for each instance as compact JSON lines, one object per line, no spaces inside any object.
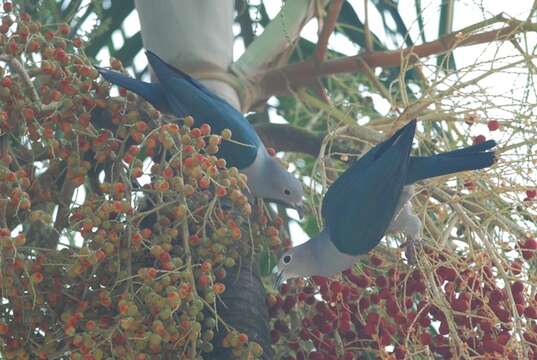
{"x":411,"y":249}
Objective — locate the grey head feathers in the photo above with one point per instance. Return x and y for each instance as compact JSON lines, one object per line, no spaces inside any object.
{"x":267,"y":179}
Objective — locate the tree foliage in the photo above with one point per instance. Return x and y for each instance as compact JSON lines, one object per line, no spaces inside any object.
{"x":122,"y":235}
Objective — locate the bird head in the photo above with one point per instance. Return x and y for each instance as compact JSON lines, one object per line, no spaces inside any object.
{"x":268,"y":180}
{"x":295,"y":262}
{"x":317,"y":256}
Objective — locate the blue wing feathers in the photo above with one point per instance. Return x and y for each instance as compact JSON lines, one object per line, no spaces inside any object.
{"x":360,"y":204}
{"x":179,"y":94}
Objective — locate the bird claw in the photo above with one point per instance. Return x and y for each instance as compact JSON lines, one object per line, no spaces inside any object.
{"x":411,"y":250}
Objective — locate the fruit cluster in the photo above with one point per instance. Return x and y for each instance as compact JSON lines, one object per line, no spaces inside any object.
{"x":388,"y":310}
{"x":134,"y":267}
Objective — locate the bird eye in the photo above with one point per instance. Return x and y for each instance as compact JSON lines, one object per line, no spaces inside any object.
{"x":286,"y":259}
{"x":287,"y":192}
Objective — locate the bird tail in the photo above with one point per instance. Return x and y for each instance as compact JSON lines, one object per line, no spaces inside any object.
{"x":151,"y":92}
{"x":473,"y":157}
{"x":165,"y":71}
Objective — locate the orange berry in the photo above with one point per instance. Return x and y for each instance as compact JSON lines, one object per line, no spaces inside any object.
{"x":221,"y":191}
{"x":28,"y":113}
{"x":206,"y":266}
{"x":243,"y":338}
{"x":3,"y":328}
{"x":203,"y":183}
{"x":219,"y":288}
{"x":167,"y":173}
{"x":173,"y":128}
{"x":116,"y":64}
{"x":119,"y":188}
{"x":77,"y":42}
{"x":90,"y":325}
{"x":152,"y":272}
{"x":147,"y":233}
{"x":205,"y":129}
{"x":64,"y":29}
{"x":134,"y":150}
{"x":162,"y":186}
{"x":37,"y":277}
{"x":137,"y":172}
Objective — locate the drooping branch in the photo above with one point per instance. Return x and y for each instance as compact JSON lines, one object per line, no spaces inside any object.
{"x":328,"y":28}
{"x":245,"y":22}
{"x":284,"y":137}
{"x":279,"y":81}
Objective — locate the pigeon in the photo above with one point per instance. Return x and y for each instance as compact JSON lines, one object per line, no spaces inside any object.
{"x":180,"y":95}
{"x":371,"y":198}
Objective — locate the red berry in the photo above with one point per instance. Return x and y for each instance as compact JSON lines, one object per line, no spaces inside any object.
{"x":516,"y":267}
{"x":375,"y":260}
{"x":426,"y":339}
{"x":381,"y":281}
{"x":497,"y":295}
{"x":316,"y":355}
{"x":517,"y":287}
{"x":532,"y":193}
{"x":7,"y":81}
{"x":446,"y":273}
{"x":528,"y":248}
{"x":203,"y":280}
{"x":493,"y":125}
{"x":531,"y":312}
{"x":8,"y":7}
{"x":469,"y":184}
{"x":479,"y":139}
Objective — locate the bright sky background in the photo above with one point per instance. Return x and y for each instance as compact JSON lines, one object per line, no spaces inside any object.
{"x":466,"y":13}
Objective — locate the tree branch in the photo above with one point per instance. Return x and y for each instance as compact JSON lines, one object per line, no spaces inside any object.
{"x":284,"y":137}
{"x":328,"y":28}
{"x":245,"y":22}
{"x":279,"y":81}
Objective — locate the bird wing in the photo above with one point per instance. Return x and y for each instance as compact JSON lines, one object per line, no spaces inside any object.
{"x":187,"y":96}
{"x":360,"y":204}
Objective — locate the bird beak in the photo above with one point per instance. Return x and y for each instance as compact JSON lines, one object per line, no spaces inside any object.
{"x":300,"y":210}
{"x":278,"y":277}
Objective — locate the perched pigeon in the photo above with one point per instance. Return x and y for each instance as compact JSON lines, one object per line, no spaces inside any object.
{"x":371,"y":198}
{"x":180,"y":95}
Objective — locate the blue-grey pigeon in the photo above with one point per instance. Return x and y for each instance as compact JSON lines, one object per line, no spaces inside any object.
{"x":179,"y":94}
{"x":371,"y":198}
